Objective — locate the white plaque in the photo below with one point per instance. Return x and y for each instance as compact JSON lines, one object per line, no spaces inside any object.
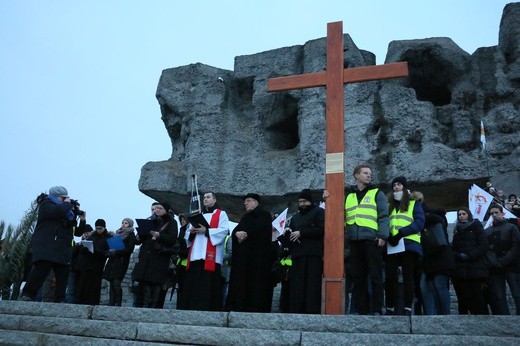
{"x":334,"y":163}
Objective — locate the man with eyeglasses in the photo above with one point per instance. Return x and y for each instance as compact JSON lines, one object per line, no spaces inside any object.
{"x":504,"y":258}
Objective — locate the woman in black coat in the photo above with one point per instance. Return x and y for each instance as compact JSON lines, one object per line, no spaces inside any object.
{"x":117,"y":264}
{"x":469,"y":248}
{"x":151,"y":269}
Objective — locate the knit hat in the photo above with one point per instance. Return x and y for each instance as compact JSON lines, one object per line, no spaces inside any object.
{"x":253,"y":196}
{"x":130,"y":221}
{"x":401,"y":180}
{"x":307,"y":195}
{"x":100,"y":222}
{"x":165,"y":205}
{"x":59,"y":191}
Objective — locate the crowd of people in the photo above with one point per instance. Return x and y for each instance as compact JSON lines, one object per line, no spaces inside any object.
{"x":398,"y":257}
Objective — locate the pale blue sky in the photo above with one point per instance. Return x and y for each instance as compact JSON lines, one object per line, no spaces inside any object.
{"x":78,"y":78}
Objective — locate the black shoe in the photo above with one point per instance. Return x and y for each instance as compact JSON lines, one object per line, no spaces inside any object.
{"x":25,"y":299}
{"x":407,"y":312}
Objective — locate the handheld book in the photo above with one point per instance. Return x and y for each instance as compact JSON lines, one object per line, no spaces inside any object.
{"x":145,"y":226}
{"x":115,"y":243}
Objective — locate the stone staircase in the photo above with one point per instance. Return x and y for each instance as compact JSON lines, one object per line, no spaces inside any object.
{"x":30,"y":323}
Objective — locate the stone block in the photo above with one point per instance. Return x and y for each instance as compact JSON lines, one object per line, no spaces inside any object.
{"x":503,"y":326}
{"x":203,"y":335}
{"x":322,"y":323}
{"x":15,"y":307}
{"x":181,"y":317}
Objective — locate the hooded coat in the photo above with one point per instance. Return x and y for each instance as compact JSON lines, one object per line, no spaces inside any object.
{"x":52,"y":238}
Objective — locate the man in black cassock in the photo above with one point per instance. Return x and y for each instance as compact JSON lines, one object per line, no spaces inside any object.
{"x":250,"y":286}
{"x":306,"y":243}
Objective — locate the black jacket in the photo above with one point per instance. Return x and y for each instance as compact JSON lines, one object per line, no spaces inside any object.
{"x":154,"y":255}
{"x":437,"y":260}
{"x":88,"y":261}
{"x":504,"y":241}
{"x":470,"y":240}
{"x":52,"y":238}
{"x":310,"y":223}
{"x":117,"y":264}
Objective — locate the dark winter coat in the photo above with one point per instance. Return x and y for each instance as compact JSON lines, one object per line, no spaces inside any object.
{"x":310,"y":223}
{"x":504,"y":242}
{"x":117,"y":264}
{"x":154,"y":255}
{"x":437,"y":260}
{"x":470,"y":239}
{"x":52,"y":238}
{"x":250,"y":287}
{"x":88,"y":261}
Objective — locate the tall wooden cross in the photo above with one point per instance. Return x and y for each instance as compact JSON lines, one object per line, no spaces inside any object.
{"x":334,"y":78}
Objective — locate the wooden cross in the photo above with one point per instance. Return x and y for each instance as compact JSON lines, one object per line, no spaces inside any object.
{"x":334,"y":78}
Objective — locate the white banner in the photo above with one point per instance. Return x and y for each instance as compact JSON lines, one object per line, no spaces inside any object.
{"x":479,"y":202}
{"x":279,"y":222}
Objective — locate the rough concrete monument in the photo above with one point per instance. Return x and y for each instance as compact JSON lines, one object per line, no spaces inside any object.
{"x":238,"y":138}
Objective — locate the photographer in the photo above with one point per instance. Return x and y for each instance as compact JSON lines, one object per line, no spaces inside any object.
{"x":51,"y":243}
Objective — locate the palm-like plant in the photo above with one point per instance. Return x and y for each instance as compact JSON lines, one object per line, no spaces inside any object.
{"x":15,"y":246}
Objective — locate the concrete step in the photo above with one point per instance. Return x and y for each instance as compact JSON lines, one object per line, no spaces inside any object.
{"x":30,"y":323}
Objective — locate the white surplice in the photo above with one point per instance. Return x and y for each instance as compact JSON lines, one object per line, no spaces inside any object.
{"x":216,"y":236}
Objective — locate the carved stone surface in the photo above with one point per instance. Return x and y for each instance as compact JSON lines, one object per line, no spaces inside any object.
{"x":238,"y":138}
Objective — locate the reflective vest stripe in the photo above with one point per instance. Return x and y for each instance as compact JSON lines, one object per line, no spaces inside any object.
{"x":402,"y":219}
{"x":363,"y":214}
{"x":287,"y":261}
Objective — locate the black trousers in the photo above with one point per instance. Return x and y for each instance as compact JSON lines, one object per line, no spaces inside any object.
{"x":408,"y":261}
{"x":306,"y":276}
{"x":470,"y":296}
{"x":366,"y":261}
{"x":39,"y":272}
{"x":115,"y":296}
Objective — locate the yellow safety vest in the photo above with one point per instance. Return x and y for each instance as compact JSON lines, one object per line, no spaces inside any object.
{"x":400,"y":219}
{"x":182,"y":262}
{"x":363,"y":214}
{"x":287,"y":261}
{"x":225,"y":249}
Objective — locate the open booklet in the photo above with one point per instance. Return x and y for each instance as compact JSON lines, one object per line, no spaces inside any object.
{"x":198,"y":219}
{"x":88,"y":244}
{"x":145,"y":226}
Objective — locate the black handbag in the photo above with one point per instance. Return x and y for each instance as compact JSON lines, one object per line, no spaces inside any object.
{"x":434,"y":236}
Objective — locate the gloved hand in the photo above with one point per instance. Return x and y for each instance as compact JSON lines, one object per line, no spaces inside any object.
{"x":394,"y":239}
{"x":463,"y":257}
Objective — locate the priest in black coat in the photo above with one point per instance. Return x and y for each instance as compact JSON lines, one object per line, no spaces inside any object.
{"x":305,"y":234}
{"x":250,"y":287}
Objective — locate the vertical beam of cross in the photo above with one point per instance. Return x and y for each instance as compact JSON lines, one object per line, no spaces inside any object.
{"x":333,"y":284}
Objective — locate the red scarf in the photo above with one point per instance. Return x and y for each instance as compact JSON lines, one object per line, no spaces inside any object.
{"x":211,"y":250}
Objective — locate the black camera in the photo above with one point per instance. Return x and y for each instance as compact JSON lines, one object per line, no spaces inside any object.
{"x":75,"y":208}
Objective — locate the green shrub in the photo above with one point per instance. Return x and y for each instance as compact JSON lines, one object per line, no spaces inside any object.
{"x":15,"y":248}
